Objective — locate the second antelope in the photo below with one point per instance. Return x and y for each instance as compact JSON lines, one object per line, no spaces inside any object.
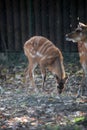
{"x":39,"y":50}
{"x":79,"y":35}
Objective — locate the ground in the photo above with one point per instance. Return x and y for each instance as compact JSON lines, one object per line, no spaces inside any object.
{"x":25,"y":108}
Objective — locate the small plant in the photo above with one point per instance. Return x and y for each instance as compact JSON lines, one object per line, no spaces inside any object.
{"x":79,"y":119}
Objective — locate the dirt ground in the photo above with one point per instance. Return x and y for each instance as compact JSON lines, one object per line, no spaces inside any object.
{"x":25,"y":108}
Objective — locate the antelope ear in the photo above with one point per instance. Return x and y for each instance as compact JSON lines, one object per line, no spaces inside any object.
{"x":82,"y":25}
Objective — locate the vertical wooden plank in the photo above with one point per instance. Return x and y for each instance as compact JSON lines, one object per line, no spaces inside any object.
{"x":31,"y":17}
{"x":3,"y":30}
{"x":44,"y":13}
{"x":85,"y":5}
{"x":10,"y":29}
{"x":1,"y":47}
{"x":81,"y":13}
{"x":73,"y":21}
{"x":29,"y":13}
{"x":17,"y":25}
{"x":45,"y":18}
{"x":24,"y":21}
{"x":73,"y":14}
{"x":66,"y":24}
{"x":58,"y":24}
{"x":37,"y":11}
{"x":51,"y":20}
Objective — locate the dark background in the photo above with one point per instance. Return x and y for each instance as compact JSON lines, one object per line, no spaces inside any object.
{"x":21,"y":19}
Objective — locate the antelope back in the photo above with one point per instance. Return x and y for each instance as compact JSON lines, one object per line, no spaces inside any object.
{"x":40,"y":47}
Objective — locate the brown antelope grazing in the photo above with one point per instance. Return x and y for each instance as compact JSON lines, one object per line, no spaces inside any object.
{"x":80,"y":36}
{"x":40,"y":51}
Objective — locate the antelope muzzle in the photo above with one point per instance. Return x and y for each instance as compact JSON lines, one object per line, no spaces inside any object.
{"x":60,"y":87}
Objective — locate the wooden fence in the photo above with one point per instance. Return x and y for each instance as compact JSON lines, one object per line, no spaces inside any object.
{"x":21,"y":19}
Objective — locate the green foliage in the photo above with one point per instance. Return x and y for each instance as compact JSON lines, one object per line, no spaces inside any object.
{"x":78,"y":119}
{"x":81,"y":120}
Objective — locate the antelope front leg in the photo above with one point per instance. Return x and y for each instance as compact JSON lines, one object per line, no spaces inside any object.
{"x":26,"y":71}
{"x":43,"y":72}
{"x":31,"y":75}
{"x":43,"y":78}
